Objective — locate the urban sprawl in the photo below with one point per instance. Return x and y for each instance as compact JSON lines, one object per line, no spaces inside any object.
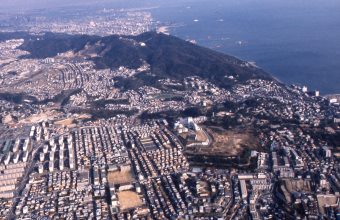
{"x":258,"y":150}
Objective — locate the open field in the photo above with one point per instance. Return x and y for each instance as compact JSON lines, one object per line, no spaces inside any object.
{"x":201,"y":136}
{"x":192,"y":136}
{"x":118,"y":177}
{"x":128,"y":200}
{"x":327,"y":200}
{"x":228,"y":142}
{"x":47,"y":115}
{"x":228,"y":148}
{"x":65,"y":122}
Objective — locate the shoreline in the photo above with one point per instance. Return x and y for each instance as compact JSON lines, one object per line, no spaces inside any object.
{"x":336,"y":95}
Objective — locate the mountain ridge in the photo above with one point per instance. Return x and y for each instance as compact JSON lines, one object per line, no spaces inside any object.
{"x":168,"y":56}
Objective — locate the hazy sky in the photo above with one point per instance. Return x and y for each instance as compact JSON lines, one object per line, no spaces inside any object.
{"x":23,"y":5}
{"x":19,"y":5}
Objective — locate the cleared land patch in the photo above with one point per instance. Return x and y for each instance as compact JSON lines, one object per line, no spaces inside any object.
{"x":228,"y":142}
{"x":120,"y":177}
{"x":228,"y":148}
{"x":129,"y":200}
{"x":65,"y":122}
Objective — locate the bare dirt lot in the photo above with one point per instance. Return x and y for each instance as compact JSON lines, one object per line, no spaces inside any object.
{"x":228,"y":142}
{"x":129,"y":200}
{"x":327,"y":200}
{"x":65,"y":122}
{"x":119,"y":177}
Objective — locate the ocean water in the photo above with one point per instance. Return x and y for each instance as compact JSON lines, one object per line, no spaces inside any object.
{"x":298,"y":41}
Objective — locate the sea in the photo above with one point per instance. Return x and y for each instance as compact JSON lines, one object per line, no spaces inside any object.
{"x":297,"y":41}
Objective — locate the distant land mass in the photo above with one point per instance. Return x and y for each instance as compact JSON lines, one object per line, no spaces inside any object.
{"x":168,"y":56}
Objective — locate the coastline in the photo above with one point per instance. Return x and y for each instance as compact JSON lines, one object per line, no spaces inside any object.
{"x":330,"y":96}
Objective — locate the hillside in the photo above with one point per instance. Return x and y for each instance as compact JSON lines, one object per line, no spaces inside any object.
{"x":168,"y":56}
